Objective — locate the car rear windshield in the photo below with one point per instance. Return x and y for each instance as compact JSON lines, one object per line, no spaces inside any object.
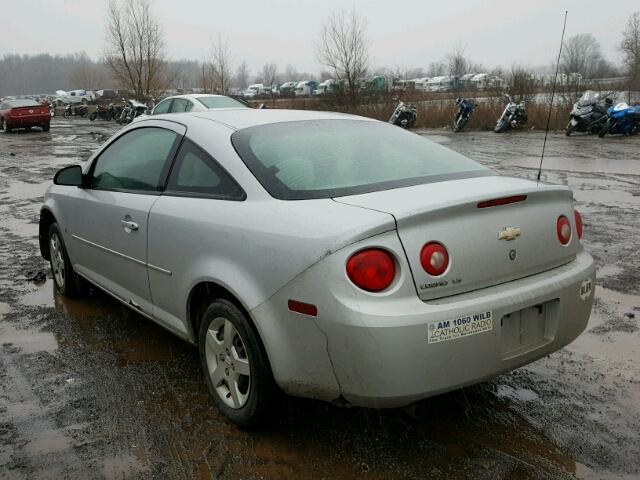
{"x":23,"y":102}
{"x":220,"y":102}
{"x":333,"y":158}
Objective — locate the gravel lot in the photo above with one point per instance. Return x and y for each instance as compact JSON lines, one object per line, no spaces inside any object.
{"x":89,"y":389}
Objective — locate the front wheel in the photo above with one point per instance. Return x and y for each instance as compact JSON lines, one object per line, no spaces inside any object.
{"x":235,"y":364}
{"x":93,"y":116}
{"x":65,"y":280}
{"x":501,"y":126}
{"x":462,"y":121}
{"x":569,"y":129}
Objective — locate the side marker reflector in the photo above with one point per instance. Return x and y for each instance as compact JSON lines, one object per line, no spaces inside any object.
{"x":304,"y":308}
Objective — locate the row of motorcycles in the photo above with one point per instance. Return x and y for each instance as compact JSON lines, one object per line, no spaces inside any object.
{"x":121,"y":113}
{"x":590,"y":114}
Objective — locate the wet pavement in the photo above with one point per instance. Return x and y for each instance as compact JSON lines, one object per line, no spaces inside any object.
{"x":89,"y":389}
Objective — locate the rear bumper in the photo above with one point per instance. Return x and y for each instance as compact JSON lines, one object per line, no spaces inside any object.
{"x":373,"y":351}
{"x":28,"y":121}
{"x":388,"y":362}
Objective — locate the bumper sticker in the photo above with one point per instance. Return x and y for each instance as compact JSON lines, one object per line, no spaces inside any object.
{"x":445,"y":330}
{"x":585,"y":288}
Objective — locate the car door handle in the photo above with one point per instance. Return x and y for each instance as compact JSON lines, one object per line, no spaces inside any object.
{"x":128,"y":225}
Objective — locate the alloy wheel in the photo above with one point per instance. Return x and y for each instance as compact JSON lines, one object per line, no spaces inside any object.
{"x":57,"y":260}
{"x":228,"y":363}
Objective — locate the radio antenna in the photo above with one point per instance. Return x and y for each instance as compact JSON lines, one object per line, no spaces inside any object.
{"x":553,"y":93}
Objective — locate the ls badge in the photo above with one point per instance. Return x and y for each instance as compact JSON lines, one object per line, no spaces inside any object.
{"x":509,"y":233}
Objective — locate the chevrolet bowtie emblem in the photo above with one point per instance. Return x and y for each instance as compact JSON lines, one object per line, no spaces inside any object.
{"x":509,"y":233}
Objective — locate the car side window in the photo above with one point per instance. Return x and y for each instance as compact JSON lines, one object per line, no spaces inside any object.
{"x":189,"y":106}
{"x":135,"y":161}
{"x":196,"y":172}
{"x":162,"y":107}
{"x":179,"y":105}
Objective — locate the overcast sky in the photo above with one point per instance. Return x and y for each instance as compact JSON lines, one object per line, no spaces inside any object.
{"x":404,"y":33}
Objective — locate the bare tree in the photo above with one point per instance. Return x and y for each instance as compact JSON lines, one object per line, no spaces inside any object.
{"x":135,"y":46}
{"x":522,"y":83}
{"x":241,"y":79}
{"x":215,"y":72}
{"x":581,"y":54}
{"x":290,"y":73}
{"x":269,"y":73}
{"x":630,"y":47}
{"x":457,"y":63}
{"x":344,"y":49}
{"x":436,"y":69}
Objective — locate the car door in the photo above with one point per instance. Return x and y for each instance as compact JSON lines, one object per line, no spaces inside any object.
{"x":108,"y":226}
{"x":187,"y":225}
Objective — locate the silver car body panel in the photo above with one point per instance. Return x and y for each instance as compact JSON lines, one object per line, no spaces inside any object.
{"x":368,"y":348}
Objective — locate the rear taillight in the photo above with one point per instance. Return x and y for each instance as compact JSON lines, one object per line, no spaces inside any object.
{"x":578,"y":218}
{"x":563,"y":228}
{"x":372,"y":269}
{"x":434,"y":258}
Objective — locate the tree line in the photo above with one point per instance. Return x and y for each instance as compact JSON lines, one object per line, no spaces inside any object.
{"x":135,"y":59}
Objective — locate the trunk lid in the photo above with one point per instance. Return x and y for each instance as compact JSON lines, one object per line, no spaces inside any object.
{"x":447,"y":212}
{"x":19,"y":112}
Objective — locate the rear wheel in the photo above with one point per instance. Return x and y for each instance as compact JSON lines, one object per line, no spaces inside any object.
{"x":45,"y":127}
{"x":235,"y":364}
{"x":93,"y":116}
{"x":604,"y":130}
{"x":4,"y":127}
{"x":66,"y":282}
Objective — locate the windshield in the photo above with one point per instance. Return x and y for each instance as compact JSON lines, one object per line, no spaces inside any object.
{"x":23,"y":102}
{"x":330,"y":158}
{"x":588,"y":98}
{"x":220,"y":102}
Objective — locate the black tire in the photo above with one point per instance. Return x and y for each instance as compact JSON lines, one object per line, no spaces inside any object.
{"x":45,"y":127}
{"x":501,"y":127}
{"x":68,"y":284}
{"x":569,"y":129}
{"x":261,"y":391}
{"x":93,"y":116}
{"x":459,"y":125}
{"x":604,"y":130}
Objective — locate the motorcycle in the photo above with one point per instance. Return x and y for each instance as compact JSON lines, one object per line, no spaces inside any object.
{"x":588,"y":114}
{"x":102,"y":113}
{"x":131,"y":110}
{"x":465,"y":109}
{"x":404,"y":115}
{"x":621,"y":120}
{"x":114,"y":111}
{"x":513,"y":115}
{"x":75,"y":110}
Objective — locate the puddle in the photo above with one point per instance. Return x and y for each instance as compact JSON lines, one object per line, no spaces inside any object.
{"x":42,"y":296}
{"x":22,"y":190}
{"x":123,"y":466}
{"x":52,"y":441}
{"x":27,"y":340}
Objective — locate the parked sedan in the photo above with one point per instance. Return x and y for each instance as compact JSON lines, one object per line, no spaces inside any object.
{"x":195,"y":103}
{"x":23,"y":113}
{"x":325,"y":255}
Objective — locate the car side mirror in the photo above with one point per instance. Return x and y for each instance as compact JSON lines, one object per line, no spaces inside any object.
{"x":70,"y":176}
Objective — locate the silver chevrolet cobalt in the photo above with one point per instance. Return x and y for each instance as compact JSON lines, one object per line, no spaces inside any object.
{"x":323,"y":255}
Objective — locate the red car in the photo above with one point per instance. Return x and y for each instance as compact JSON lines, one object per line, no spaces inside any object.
{"x":23,"y":113}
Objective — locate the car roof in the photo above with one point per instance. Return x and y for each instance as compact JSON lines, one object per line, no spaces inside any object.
{"x":239,"y":118}
{"x":195,"y":95}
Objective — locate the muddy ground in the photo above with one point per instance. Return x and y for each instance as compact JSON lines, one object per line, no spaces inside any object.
{"x":89,"y":389}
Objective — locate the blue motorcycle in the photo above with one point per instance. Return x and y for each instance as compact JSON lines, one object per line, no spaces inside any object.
{"x":621,"y":120}
{"x":465,"y":109}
